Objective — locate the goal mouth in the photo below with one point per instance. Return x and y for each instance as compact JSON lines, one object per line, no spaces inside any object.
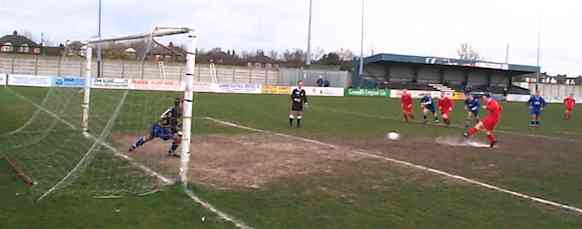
{"x":157,"y":32}
{"x":67,"y":149}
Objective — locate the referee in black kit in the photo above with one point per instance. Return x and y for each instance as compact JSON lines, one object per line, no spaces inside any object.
{"x":298,"y":99}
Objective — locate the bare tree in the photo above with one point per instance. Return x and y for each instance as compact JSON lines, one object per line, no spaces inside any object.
{"x":273,"y":54}
{"x":345,"y":54}
{"x":317,"y":53}
{"x":26,"y":34}
{"x":294,"y":58}
{"x":466,"y":52}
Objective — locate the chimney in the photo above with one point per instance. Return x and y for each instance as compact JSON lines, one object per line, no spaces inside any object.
{"x":15,"y":33}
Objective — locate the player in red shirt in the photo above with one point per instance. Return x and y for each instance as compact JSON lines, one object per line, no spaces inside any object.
{"x":489,"y":122}
{"x":445,"y":106}
{"x":569,"y":104}
{"x":406,"y":103}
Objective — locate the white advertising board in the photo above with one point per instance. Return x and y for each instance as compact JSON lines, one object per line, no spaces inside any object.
{"x":239,"y":88}
{"x":517,"y":98}
{"x":323,"y":91}
{"x":110,"y":83}
{"x":29,"y":80}
{"x":156,"y":85}
{"x":418,"y":94}
{"x":204,"y":87}
{"x":2,"y":79}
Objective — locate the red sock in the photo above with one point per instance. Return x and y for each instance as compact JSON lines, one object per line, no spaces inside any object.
{"x":472,"y":131}
{"x":491,"y":138}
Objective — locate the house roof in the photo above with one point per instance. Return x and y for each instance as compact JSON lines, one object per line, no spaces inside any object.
{"x":17,"y":40}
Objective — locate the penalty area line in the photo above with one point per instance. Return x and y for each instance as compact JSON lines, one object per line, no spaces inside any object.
{"x":415,"y":166}
{"x":165,"y":180}
{"x":115,"y":151}
{"x":206,"y":205}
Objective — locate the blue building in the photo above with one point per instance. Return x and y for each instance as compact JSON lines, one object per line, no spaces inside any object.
{"x":392,"y":71}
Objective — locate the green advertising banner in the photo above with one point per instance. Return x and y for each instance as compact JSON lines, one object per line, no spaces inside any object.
{"x":367,"y":92}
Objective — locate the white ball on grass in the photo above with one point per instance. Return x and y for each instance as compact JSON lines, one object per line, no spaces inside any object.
{"x":393,"y":136}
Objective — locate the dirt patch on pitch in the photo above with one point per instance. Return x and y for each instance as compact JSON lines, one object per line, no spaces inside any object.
{"x":240,"y":161}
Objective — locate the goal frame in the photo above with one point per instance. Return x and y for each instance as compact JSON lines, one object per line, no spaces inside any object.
{"x":188,"y":82}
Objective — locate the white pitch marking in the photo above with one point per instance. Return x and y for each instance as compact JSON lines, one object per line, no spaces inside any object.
{"x":167,"y":181}
{"x":133,"y":162}
{"x":47,"y":111}
{"x":237,"y":223}
{"x":211,"y":208}
{"x":32,"y":117}
{"x":419,"y":167}
{"x":86,"y":156}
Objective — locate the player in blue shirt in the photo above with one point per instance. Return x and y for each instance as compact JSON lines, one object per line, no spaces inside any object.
{"x":536,"y":105}
{"x":167,"y":128}
{"x":427,"y":106}
{"x":472,"y":107}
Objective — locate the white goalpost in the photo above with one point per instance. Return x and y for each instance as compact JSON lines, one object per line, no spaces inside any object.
{"x":62,"y":150}
{"x":188,"y":82}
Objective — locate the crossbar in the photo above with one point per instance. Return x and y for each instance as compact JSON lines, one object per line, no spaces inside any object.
{"x":158,"y":32}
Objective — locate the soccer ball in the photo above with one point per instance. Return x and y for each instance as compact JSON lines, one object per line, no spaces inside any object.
{"x":393,"y":136}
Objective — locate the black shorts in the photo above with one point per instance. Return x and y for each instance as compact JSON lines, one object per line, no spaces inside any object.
{"x":297,"y":107}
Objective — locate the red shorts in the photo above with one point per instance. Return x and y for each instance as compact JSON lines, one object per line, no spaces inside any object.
{"x":407,"y":109}
{"x":569,"y":109}
{"x":445,"y":114}
{"x":489,"y":123}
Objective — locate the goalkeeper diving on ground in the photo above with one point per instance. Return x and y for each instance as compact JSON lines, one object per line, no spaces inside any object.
{"x":167,"y":128}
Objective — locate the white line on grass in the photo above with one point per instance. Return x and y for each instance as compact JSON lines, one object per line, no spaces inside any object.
{"x":32,"y":117}
{"x":455,"y":126}
{"x":116,"y":153}
{"x":165,"y":180}
{"x":45,"y":132}
{"x":415,"y":166}
{"x":86,"y":157}
{"x":47,"y":111}
{"x":194,"y":197}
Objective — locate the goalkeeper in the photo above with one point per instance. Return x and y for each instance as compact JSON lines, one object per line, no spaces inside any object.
{"x":168,"y":127}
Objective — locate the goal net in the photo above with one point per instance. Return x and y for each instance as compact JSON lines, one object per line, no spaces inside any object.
{"x":79,"y":128}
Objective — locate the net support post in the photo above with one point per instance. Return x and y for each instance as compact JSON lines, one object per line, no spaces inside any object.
{"x":87,"y":91}
{"x":187,"y":113}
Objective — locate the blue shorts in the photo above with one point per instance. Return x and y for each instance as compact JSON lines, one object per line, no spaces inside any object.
{"x":158,"y":131}
{"x":535,"y":112}
{"x":475,"y":113}
{"x":430,"y":108}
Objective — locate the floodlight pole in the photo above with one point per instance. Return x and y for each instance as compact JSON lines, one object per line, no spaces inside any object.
{"x":507,"y":54}
{"x":99,"y":60}
{"x":361,"y":72}
{"x":87,"y":90}
{"x":538,"y":54}
{"x":308,"y":54}
{"x":187,"y":112}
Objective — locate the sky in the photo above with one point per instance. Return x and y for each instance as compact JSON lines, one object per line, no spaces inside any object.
{"x":412,"y":27}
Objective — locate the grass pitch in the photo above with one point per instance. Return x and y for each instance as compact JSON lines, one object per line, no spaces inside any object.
{"x":355,"y":193}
